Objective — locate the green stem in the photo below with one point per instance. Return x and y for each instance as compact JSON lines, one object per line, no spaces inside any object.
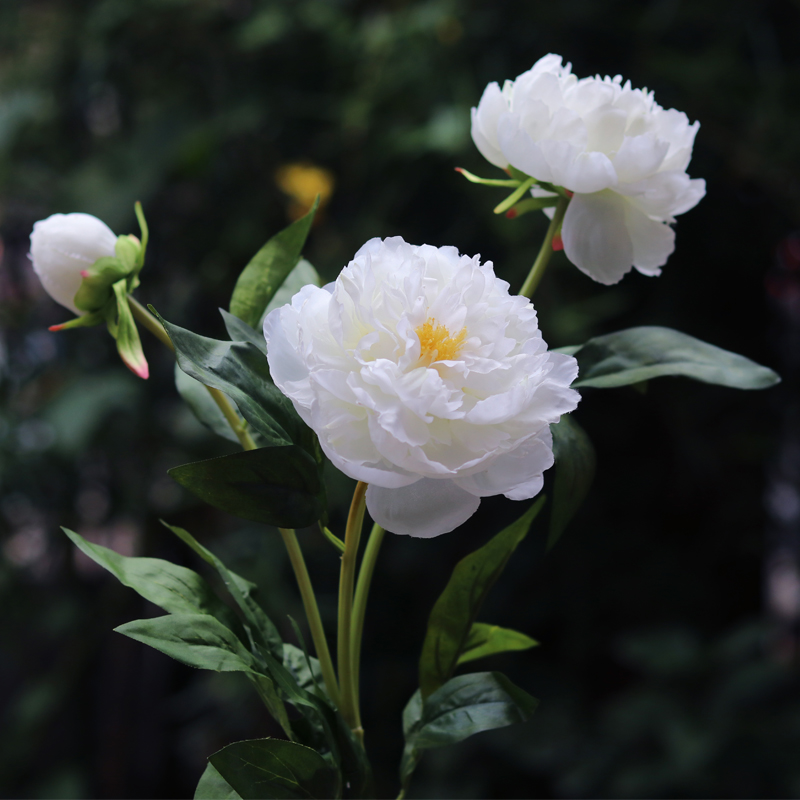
{"x":360,"y":602}
{"x":147,"y":320}
{"x":312,"y":612}
{"x":349,"y":696}
{"x":540,"y":265}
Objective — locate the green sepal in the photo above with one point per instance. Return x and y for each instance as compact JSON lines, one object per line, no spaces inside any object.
{"x":574,"y":472}
{"x":98,"y":280}
{"x":531,"y":204}
{"x":274,"y":485}
{"x":144,"y":231}
{"x":273,"y":768}
{"x":515,"y":196}
{"x":454,"y":613}
{"x":509,"y":182}
{"x":128,"y":251}
{"x":124,"y":330}
{"x":268,"y":269}
{"x":84,"y":321}
{"x":489,"y":640}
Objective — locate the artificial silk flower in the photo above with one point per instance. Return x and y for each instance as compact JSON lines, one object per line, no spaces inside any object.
{"x":423,"y":377}
{"x":62,"y":246}
{"x":622,"y":154}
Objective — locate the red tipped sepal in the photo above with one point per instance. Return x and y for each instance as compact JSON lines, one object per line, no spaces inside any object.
{"x":84,"y":321}
{"x":124,"y":330}
{"x":558,"y":243}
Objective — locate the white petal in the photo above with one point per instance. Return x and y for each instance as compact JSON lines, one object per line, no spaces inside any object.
{"x":484,"y":124}
{"x":653,"y":242}
{"x":518,"y":474}
{"x":596,"y":238}
{"x":424,"y":509}
{"x":64,"y":244}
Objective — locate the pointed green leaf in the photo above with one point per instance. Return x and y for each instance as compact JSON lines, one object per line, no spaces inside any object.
{"x":127,"y":335}
{"x":639,"y":354}
{"x":488,"y":640}
{"x":127,"y":251}
{"x":241,"y":371}
{"x":574,"y":473}
{"x":268,"y":269}
{"x":241,"y":332}
{"x":273,"y":768}
{"x":95,"y":288}
{"x":197,"y":640}
{"x":261,"y":628}
{"x":175,"y":589}
{"x":213,"y":786}
{"x":137,"y":207}
{"x":464,"y":706}
{"x":455,"y":611}
{"x":275,"y":485}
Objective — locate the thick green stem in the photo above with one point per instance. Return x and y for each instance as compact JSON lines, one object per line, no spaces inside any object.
{"x":312,"y":612}
{"x":349,"y":695}
{"x":147,"y":320}
{"x":360,"y":602}
{"x":540,"y":265}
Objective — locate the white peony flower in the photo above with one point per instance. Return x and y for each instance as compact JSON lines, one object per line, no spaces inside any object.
{"x":62,"y":246}
{"x":623,"y":156}
{"x":422,"y":376}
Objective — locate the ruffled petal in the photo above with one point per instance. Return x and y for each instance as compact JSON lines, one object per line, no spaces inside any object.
{"x":424,"y":509}
{"x":484,"y":125}
{"x":596,"y":239}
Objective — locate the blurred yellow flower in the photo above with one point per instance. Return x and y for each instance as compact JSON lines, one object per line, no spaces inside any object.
{"x":303,"y":182}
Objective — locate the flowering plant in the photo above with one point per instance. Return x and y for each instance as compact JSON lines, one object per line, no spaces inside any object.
{"x":418,"y":374}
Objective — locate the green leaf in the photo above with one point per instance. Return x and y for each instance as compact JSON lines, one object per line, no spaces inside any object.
{"x":212,"y":786}
{"x":275,"y":485}
{"x":305,"y":669}
{"x":197,"y":640}
{"x":464,"y":706}
{"x":196,"y":396}
{"x":175,"y":589}
{"x":455,"y":611}
{"x":241,"y":332}
{"x":273,"y":768}
{"x":302,"y":275}
{"x":126,"y":333}
{"x":260,"y":627}
{"x":241,"y":371}
{"x":95,"y":288}
{"x":575,"y":468}
{"x":639,"y":354}
{"x":268,"y":269}
{"x":487,"y":640}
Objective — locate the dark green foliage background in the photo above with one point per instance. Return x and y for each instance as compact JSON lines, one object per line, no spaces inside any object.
{"x":659,"y":672}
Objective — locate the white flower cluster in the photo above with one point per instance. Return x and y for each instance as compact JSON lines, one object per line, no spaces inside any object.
{"x":422,"y":376}
{"x":623,"y":156}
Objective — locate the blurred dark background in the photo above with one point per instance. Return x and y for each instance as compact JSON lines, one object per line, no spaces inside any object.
{"x":668,"y":612}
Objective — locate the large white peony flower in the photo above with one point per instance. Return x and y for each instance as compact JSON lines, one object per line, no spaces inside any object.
{"x":623,"y":156}
{"x":62,"y":246}
{"x":422,"y":376}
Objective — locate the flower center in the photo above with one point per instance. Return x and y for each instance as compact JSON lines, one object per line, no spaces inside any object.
{"x":436,"y":343}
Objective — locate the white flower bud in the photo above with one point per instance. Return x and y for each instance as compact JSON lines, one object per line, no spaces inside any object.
{"x":62,"y":246}
{"x":422,"y":376}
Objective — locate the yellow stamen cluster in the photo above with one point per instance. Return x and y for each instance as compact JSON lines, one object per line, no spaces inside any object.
{"x":436,"y":343}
